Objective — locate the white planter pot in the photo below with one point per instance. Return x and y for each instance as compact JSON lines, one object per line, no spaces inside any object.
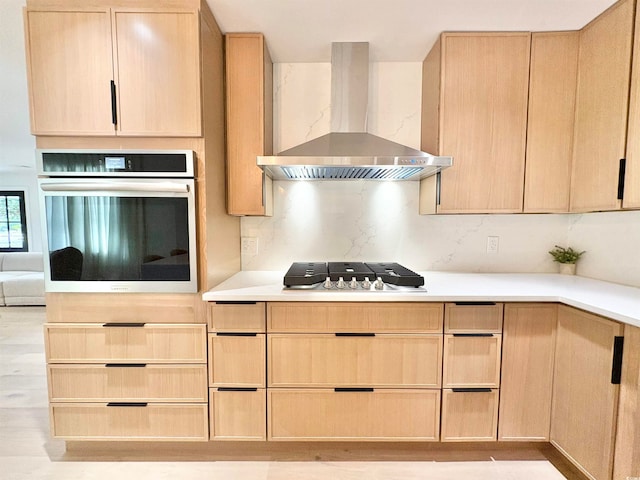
{"x":568,"y":268}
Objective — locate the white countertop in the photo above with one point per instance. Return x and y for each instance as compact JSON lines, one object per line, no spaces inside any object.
{"x":611,"y":300}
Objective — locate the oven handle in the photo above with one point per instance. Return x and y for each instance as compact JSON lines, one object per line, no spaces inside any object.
{"x":116,"y":187}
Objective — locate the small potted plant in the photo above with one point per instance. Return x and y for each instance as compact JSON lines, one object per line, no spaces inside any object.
{"x":567,"y":258}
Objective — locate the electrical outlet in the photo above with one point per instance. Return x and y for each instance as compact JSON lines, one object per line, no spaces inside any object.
{"x":249,"y":245}
{"x":493,"y":244}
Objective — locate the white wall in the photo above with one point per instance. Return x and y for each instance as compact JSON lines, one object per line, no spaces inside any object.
{"x":17,"y":146}
{"x":317,"y":221}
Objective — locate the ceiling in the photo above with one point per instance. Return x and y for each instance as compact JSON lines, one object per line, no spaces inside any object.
{"x":397,"y":30}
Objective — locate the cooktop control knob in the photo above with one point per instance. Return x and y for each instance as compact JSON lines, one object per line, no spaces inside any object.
{"x":341,"y":283}
{"x":353,"y":283}
{"x":327,"y":283}
{"x":378,"y":284}
{"x":366,"y":284}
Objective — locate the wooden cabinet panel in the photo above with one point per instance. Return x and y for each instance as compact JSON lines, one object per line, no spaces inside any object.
{"x":234,"y":317}
{"x":584,"y":404}
{"x":323,"y":414}
{"x":238,"y":414}
{"x":249,"y":80}
{"x":483,"y":121}
{"x":552,"y":93}
{"x":528,"y":345}
{"x":142,"y":383}
{"x":95,"y":343}
{"x":69,"y":74}
{"x":469,"y":415}
{"x":329,"y":360}
{"x":322,"y":317}
{"x":471,"y":361}
{"x":237,"y":360}
{"x":602,"y":108}
{"x":631,"y":197}
{"x":158,"y":72}
{"x":97,"y":421}
{"x":473,"y":318}
{"x":627,"y":454}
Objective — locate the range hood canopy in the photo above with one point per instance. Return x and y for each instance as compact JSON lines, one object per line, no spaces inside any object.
{"x":349,"y":152}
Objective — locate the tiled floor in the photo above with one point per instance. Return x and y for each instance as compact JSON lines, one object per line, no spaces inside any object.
{"x":27,"y":451}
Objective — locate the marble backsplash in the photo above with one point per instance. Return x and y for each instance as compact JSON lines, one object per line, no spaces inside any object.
{"x":379,"y":221}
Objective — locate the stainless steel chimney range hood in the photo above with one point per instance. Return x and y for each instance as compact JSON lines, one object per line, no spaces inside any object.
{"x":349,"y":152}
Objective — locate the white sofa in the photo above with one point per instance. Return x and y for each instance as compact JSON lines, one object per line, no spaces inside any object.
{"x":21,"y":279}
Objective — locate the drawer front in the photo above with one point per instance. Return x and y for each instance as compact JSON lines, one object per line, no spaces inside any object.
{"x":323,"y":414}
{"x":322,"y":317}
{"x":385,"y":360}
{"x":97,"y":421}
{"x":236,"y":360}
{"x":471,"y":361}
{"x":144,"y":383}
{"x":237,"y":414}
{"x":473,"y":317}
{"x":236,"y":317}
{"x":469,"y":416}
{"x":150,"y":343}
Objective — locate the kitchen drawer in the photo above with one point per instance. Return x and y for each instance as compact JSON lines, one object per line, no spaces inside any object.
{"x":324,"y":414}
{"x":469,"y":415}
{"x":328,"y":360}
{"x":147,"y":343}
{"x":470,"y":317}
{"x":237,"y":360}
{"x":133,"y":383}
{"x":471,"y":360}
{"x":236,"y":317}
{"x":99,"y":421}
{"x":238,"y":414}
{"x":323,"y":317}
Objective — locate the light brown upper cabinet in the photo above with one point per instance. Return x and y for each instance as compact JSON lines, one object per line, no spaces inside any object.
{"x":249,"y":76}
{"x":475,"y":88}
{"x":602,"y":104}
{"x":631,"y":195}
{"x":113,"y":71}
{"x":552,"y":94}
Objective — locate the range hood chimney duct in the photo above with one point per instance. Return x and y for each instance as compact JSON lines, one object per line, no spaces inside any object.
{"x":349,"y":152}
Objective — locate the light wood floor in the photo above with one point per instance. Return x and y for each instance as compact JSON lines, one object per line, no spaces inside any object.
{"x":27,"y":451}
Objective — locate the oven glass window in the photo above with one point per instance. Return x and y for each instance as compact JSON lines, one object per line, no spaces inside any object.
{"x":118,"y":238}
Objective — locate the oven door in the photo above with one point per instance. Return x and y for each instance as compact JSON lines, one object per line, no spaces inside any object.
{"x":119,"y":235}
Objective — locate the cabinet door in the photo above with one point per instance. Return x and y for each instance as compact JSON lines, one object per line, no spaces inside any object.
{"x":528,"y":345}
{"x":249,"y":122}
{"x":69,"y":71}
{"x":552,"y":94}
{"x":585,"y":401}
{"x":158,"y":81}
{"x":601,"y":109}
{"x":471,"y":360}
{"x":237,"y":360}
{"x":469,"y":414}
{"x":631,"y":197}
{"x":238,"y":414}
{"x":485,"y":81}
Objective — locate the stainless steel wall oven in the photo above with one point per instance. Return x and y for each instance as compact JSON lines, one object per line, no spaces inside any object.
{"x":118,"y":221}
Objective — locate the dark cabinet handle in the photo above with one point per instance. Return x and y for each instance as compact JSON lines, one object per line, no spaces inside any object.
{"x":616,"y":365}
{"x":229,"y":302}
{"x":473,"y":304}
{"x":127,"y":404}
{"x":114,"y":110}
{"x":473,"y":334}
{"x":116,"y":324}
{"x":237,"y":389}
{"x":354,"y":334}
{"x":236,"y":334}
{"x":125,"y":365}
{"x":471,"y":390}
{"x":621,"y":173}
{"x":352,"y":389}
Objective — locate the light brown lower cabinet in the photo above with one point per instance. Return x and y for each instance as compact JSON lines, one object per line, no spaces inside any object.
{"x":471,"y":360}
{"x":237,"y":360}
{"x":585,"y":402}
{"x":469,"y":414}
{"x":378,"y":414}
{"x":237,"y":413}
{"x":528,"y":347}
{"x":126,"y":421}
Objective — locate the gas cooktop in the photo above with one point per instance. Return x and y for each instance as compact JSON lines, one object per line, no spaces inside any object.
{"x":352,"y":276}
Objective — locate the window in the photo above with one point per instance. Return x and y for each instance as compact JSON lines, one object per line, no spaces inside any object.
{"x":13,"y":222}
